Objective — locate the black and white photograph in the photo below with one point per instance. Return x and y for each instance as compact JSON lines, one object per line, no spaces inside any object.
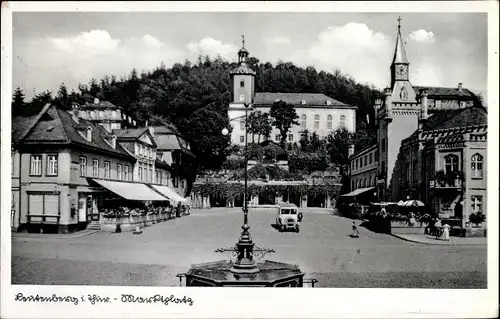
{"x":240,"y":148}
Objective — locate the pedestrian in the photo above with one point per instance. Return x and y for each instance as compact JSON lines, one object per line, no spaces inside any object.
{"x":355,"y":232}
{"x":446,"y":232}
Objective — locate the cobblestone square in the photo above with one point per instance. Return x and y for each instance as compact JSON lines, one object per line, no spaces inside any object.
{"x":323,"y":249}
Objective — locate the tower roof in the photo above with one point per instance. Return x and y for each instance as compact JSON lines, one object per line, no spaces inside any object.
{"x":399,"y":52}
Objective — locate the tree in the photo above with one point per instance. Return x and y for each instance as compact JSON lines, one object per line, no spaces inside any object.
{"x":259,"y":123}
{"x":63,"y":97}
{"x":18,"y":104}
{"x":337,"y":146}
{"x":284,"y":116}
{"x":38,"y":102}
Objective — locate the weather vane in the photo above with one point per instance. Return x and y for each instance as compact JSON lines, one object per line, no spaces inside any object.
{"x":399,"y":22}
{"x":243,"y":40}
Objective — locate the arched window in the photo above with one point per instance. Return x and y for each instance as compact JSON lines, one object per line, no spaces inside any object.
{"x":342,"y":121}
{"x":316,"y":122}
{"x":303,"y":123}
{"x":357,"y":184}
{"x":329,"y":122}
{"x":89,"y":134}
{"x":451,"y":163}
{"x":477,"y":165}
{"x":352,"y":185}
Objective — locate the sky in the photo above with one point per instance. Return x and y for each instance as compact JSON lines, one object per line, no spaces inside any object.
{"x":53,"y":47}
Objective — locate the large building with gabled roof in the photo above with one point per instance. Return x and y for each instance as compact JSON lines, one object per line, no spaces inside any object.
{"x":317,"y":112}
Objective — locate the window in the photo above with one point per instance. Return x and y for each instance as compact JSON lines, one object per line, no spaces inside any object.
{"x":140,"y":174}
{"x":376,"y":155}
{"x":176,"y":181}
{"x":451,"y":163}
{"x":150,"y":175}
{"x":290,"y":137}
{"x":106,"y":170}
{"x":101,"y":114}
{"x":352,"y":185}
{"x":114,"y":113}
{"x":242,"y":83}
{"x":370,"y":158}
{"x":383,"y":145}
{"x":119,"y":169}
{"x":462,"y":104}
{"x":43,"y":208}
{"x":242,"y":139}
{"x":365,"y":161}
{"x":95,"y":168}
{"x":438,"y":104}
{"x":476,"y":204}
{"x":342,"y":121}
{"x":329,"y":122}
{"x":242,"y":97}
{"x":36,"y":165}
{"x":382,"y":168}
{"x":125,"y":172}
{"x":357,"y":163}
{"x":277,"y":137}
{"x":83,"y":166}
{"x":303,"y":121}
{"x":477,"y":166}
{"x":316,"y":121}
{"x":89,"y":134}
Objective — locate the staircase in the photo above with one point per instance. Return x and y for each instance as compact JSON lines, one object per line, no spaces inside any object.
{"x":94,"y":225}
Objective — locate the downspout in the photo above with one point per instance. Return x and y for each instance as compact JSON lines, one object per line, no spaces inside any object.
{"x":20,"y":193}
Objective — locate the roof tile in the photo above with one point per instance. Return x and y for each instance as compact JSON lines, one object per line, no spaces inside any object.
{"x":311,"y":99}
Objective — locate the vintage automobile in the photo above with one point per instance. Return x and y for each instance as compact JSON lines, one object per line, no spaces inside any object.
{"x":288,"y":217}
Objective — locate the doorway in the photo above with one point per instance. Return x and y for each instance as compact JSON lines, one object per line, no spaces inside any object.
{"x":267,"y":198}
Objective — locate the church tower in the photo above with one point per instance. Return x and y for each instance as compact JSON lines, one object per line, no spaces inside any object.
{"x":242,"y":92}
{"x":397,"y":118}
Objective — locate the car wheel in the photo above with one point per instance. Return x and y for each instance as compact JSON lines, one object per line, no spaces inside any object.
{"x":282,"y":228}
{"x":297,"y":229}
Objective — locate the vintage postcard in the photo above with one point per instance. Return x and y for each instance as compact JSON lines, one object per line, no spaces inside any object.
{"x":161,"y":150}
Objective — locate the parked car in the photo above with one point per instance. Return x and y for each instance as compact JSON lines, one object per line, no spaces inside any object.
{"x":288,"y":217}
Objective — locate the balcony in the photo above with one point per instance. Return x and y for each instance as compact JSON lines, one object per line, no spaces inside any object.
{"x":450,"y":180}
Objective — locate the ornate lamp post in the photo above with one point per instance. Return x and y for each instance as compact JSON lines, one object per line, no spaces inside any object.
{"x":244,"y":270}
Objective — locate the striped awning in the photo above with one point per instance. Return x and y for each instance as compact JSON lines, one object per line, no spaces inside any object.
{"x":169,"y":193}
{"x":131,"y":191}
{"x":358,"y":191}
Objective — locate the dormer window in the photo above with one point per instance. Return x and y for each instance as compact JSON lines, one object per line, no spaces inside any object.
{"x":89,"y":134}
{"x":303,"y":102}
{"x":96,"y":101}
{"x":328,"y":102}
{"x":113,"y":141}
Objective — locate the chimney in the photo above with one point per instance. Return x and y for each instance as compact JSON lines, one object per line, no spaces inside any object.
{"x":424,"y":106}
{"x":460,"y":89}
{"x":388,"y":104}
{"x":151,"y":130}
{"x":350,"y":151}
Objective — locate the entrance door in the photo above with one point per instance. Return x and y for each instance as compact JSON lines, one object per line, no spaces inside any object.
{"x":92,"y":212}
{"x":82,"y":208}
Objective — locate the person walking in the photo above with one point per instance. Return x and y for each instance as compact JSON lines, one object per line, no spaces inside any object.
{"x":355,"y":231}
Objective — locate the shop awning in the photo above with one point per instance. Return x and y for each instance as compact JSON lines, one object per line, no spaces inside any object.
{"x":358,"y":191}
{"x":131,"y":191}
{"x":170,"y":193}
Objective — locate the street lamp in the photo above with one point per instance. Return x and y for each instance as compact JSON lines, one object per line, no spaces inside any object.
{"x":244,"y":247}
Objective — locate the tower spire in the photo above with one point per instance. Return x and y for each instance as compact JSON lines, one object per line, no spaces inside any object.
{"x":243,"y":41}
{"x":399,"y":52}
